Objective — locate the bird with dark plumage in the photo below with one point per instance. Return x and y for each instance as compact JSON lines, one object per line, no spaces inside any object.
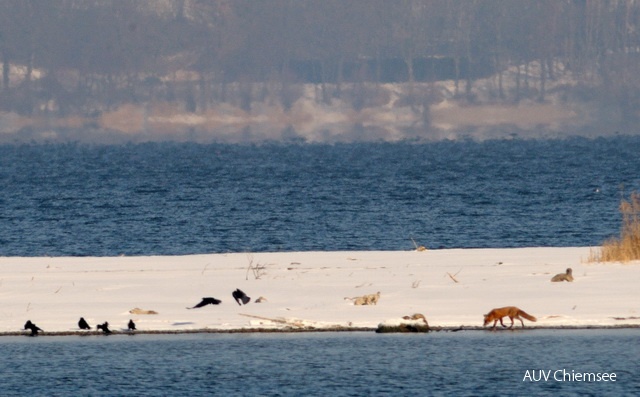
{"x":104,"y":327}
{"x":131,"y":325}
{"x":82,"y":324}
{"x":205,"y":302}
{"x":32,"y":327}
{"x":240,"y":296}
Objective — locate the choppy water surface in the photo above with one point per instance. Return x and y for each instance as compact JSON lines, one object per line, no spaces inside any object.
{"x":321,"y":364}
{"x":184,"y":198}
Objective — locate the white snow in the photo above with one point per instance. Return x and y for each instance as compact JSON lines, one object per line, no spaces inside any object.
{"x":308,"y":289}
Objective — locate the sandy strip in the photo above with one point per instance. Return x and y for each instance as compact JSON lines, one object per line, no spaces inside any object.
{"x":306,"y":291}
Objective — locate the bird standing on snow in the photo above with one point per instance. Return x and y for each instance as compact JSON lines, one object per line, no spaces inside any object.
{"x":131,"y":325}
{"x":104,"y":327}
{"x":82,"y":324}
{"x":31,"y":326}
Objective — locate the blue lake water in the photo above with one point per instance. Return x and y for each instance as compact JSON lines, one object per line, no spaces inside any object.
{"x":186,"y":198}
{"x":468,"y":363}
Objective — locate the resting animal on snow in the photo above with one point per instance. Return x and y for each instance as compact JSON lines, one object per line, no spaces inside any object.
{"x":568,"y":276}
{"x":371,"y":299}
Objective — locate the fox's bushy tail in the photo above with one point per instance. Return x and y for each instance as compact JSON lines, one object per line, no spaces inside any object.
{"x":527,"y":315}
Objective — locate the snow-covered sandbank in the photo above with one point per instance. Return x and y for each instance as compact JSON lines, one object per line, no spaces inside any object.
{"x":451,"y":288}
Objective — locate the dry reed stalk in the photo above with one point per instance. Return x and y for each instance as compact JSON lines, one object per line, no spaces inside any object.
{"x":627,"y":247}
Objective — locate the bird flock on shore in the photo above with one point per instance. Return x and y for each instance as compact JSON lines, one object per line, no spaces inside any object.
{"x":238,"y":295}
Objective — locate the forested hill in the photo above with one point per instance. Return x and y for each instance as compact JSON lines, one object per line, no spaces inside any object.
{"x":69,"y":64}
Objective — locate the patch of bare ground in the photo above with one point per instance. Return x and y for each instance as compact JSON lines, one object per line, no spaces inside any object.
{"x":128,"y":119}
{"x":164,"y":117}
{"x":386,"y":118}
{"x":452,"y":115}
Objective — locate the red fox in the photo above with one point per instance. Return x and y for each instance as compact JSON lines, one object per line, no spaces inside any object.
{"x":512,"y":312}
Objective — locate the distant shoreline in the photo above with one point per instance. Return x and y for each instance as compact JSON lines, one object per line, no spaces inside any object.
{"x":318,"y":330}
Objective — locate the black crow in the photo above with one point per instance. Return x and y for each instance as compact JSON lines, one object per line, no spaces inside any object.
{"x":104,"y":327}
{"x":206,"y":301}
{"x":83,"y":324}
{"x":31,"y":326}
{"x":28,"y":324}
{"x":240,"y":296}
{"x":131,"y":325}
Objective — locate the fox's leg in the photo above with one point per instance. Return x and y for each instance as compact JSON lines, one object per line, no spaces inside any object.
{"x":501,"y":323}
{"x":511,"y":318}
{"x":521,"y":322}
{"x":494,"y":324}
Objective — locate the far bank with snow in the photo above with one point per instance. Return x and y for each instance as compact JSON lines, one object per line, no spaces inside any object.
{"x":307,"y":290}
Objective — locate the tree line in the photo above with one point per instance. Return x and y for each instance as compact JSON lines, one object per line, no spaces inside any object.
{"x":85,"y":56}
